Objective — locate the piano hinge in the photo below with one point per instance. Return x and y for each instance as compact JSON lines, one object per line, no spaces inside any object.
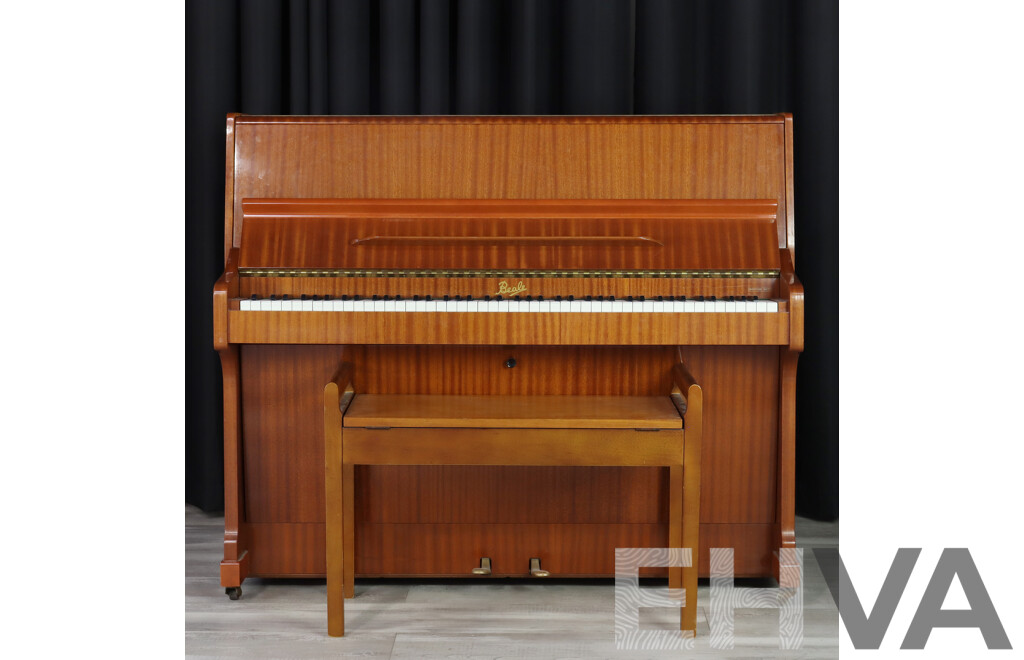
{"x":646,"y":430}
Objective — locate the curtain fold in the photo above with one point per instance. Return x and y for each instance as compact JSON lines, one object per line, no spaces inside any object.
{"x":519,"y":57}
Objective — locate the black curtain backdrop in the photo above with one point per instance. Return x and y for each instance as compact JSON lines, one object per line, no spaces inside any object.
{"x":519,"y":57}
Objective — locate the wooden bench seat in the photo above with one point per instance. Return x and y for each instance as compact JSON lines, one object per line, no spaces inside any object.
{"x":413,"y":429}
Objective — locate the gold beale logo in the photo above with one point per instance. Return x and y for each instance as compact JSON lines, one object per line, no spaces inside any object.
{"x":506,"y":289}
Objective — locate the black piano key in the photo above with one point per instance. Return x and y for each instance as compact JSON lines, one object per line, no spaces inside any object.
{"x":446,"y":298}
{"x":754,"y":298}
{"x":416,"y":298}
{"x":699,"y":298}
{"x":328,"y":297}
{"x":661,"y":299}
{"x":284,"y":297}
{"x":254,"y":297}
{"x":571,"y":298}
{"x":590,"y":298}
{"x":487,"y":298}
{"x":558,"y":298}
{"x":273,"y":297}
{"x":540,"y":298}
{"x":498,"y":297}
{"x":629,"y":298}
{"x":429,"y":299}
{"x":642,"y":299}
{"x":302,"y":297}
{"x":469,"y":297}
{"x":713,"y":299}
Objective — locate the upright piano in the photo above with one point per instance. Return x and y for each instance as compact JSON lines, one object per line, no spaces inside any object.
{"x":505,"y":256}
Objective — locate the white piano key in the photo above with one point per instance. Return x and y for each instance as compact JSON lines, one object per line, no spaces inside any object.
{"x":606,"y":306}
{"x":544,"y":306}
{"x":762,"y":305}
{"x":576,"y":306}
{"x":307,"y":305}
{"x":243,"y":304}
{"x":275,"y":305}
{"x":773,"y":306}
{"x":503,"y":305}
{"x":389,"y":305}
{"x":317,"y":306}
{"x":534,"y":305}
{"x":491,"y":306}
{"x":347,"y":306}
{"x":461,"y":305}
{"x":719,"y":306}
{"x":647,"y":306}
{"x":678,"y":306}
{"x":730,"y":306}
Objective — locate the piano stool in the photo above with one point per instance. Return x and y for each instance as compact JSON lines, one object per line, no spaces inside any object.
{"x":411,"y":429}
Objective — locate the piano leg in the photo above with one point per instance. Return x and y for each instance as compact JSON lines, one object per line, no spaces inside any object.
{"x":786,"y":533}
{"x":235,"y":566}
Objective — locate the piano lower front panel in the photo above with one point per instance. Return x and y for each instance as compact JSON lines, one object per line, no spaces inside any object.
{"x":451,"y":550}
{"x":436,"y":520}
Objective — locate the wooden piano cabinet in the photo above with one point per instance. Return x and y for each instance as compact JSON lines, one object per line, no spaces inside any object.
{"x":430,"y":520}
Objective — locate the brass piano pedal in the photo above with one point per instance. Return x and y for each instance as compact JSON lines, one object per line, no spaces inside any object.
{"x":484,"y":568}
{"x":536,"y":570}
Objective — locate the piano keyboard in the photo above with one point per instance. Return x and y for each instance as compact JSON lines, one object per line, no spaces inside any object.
{"x":633,"y":305}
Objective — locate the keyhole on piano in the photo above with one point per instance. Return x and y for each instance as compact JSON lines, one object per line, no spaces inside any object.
{"x":511,"y":362}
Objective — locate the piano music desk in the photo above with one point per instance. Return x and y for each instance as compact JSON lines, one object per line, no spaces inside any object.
{"x":412,"y":429}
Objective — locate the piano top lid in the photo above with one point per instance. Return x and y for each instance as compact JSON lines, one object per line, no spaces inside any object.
{"x":521,"y":235}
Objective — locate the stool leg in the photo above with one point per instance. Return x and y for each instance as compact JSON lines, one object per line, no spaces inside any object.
{"x":350,"y":531}
{"x":691,"y":527}
{"x":335,"y":510}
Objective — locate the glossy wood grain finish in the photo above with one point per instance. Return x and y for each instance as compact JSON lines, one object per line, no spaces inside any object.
{"x":524,"y":234}
{"x":561,"y":412}
{"x":573,"y":158}
{"x":274,"y":452}
{"x":407,"y":287}
{"x":495,"y":328}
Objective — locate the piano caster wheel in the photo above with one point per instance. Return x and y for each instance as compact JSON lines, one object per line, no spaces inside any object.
{"x":234,"y":593}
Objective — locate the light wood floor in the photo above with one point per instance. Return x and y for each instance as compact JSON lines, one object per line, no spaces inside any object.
{"x":455,"y":619}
